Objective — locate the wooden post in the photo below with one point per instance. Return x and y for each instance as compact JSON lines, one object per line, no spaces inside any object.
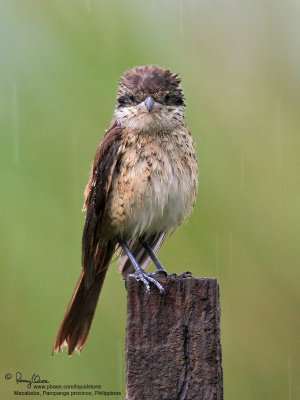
{"x":173,"y":347}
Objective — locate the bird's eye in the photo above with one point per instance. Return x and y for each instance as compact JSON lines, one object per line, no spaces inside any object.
{"x":131,"y":98}
{"x":167,"y":98}
{"x":173,"y":99}
{"x":127,"y":100}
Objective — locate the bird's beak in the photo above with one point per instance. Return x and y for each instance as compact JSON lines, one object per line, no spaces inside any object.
{"x":149,"y":103}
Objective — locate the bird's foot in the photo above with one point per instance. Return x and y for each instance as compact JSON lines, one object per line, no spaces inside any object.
{"x":147,"y":279}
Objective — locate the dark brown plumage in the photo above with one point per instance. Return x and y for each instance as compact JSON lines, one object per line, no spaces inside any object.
{"x":150,"y":80}
{"x":96,"y":250}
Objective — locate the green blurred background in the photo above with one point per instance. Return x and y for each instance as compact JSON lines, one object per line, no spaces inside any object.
{"x":240,"y":66}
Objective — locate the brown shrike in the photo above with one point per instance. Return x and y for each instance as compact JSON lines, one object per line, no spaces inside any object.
{"x":142,"y":186}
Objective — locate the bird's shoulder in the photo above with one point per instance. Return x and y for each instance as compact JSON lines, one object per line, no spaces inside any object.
{"x":104,"y":161}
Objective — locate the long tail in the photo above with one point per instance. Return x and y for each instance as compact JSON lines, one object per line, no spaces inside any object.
{"x":77,"y":321}
{"x":75,"y":326}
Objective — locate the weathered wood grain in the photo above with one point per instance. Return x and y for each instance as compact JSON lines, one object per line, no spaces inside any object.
{"x":173,"y":347}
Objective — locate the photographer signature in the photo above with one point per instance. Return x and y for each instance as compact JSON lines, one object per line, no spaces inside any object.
{"x":34,"y":379}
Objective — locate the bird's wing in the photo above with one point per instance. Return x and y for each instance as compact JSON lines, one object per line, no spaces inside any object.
{"x":104,"y":167}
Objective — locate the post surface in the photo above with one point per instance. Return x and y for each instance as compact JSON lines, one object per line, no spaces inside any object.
{"x":173,"y":348}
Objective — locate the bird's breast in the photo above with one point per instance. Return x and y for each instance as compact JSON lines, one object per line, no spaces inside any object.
{"x":154,"y":189}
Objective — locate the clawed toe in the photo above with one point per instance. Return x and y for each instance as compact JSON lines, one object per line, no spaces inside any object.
{"x":155,"y":282}
{"x":140,"y":274}
{"x":146,"y":279}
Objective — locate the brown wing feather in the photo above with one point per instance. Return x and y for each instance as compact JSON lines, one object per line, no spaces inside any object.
{"x":97,"y":251}
{"x":96,"y":195}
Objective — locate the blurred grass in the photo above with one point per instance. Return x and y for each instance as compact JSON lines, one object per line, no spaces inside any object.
{"x":60,"y":65}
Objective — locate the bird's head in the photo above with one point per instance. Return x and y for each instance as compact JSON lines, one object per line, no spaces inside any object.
{"x":150,"y":98}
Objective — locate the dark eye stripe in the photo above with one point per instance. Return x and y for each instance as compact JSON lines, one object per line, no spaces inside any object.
{"x":127,"y":100}
{"x":172,"y":100}
{"x":175,"y":100}
{"x":168,"y":100}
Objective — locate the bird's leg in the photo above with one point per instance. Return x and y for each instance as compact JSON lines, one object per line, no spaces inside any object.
{"x":153,"y":256}
{"x":140,"y":273}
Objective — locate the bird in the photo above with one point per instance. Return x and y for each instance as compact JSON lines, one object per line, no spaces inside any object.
{"x":143,"y":185}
